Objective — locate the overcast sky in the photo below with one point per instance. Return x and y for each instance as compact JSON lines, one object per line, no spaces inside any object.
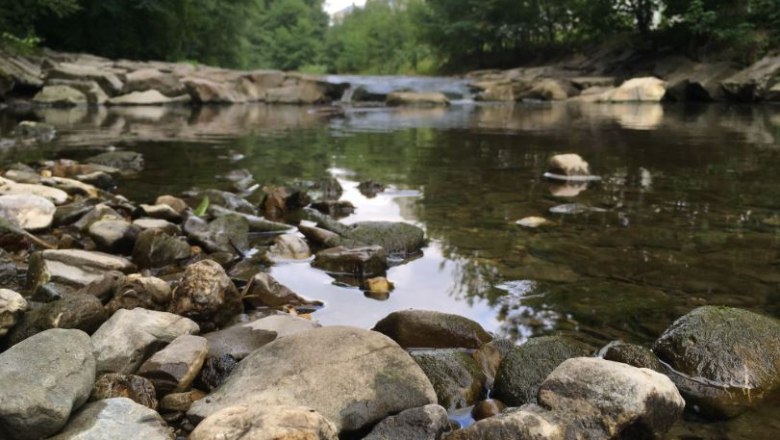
{"x":332,"y":6}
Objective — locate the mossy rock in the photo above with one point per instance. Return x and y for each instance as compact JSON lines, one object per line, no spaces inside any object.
{"x":455,"y":375}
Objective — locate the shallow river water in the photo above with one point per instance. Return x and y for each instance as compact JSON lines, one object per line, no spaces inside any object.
{"x":688,"y":207}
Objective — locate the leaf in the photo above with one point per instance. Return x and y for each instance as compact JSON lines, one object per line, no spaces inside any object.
{"x":202,"y":207}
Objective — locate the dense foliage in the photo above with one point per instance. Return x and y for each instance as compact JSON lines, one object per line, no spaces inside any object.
{"x":388,"y":36}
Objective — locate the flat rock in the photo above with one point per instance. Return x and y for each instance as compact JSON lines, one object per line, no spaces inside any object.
{"x":148,"y":97}
{"x":361,"y":376}
{"x":361,"y":262}
{"x":107,"y":80}
{"x":118,"y":418}
{"x":114,"y":235}
{"x":27,"y":211}
{"x":242,"y":422}
{"x":60,"y":96}
{"x":43,"y":379}
{"x":175,"y":367}
{"x":427,"y":422}
{"x":129,"y":337}
{"x":54,"y":195}
{"x":73,"y":268}
{"x":243,"y":338}
{"x":207,"y":295}
{"x":429,"y":329}
{"x":290,"y":247}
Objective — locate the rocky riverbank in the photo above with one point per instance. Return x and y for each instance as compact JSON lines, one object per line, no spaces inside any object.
{"x":124,"y":319}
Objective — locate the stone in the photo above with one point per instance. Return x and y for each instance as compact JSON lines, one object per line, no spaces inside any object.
{"x":155,"y":248}
{"x":60,"y":96}
{"x":487,"y":408}
{"x":724,"y":360}
{"x":489,"y":357}
{"x":136,"y":388}
{"x":71,"y":186}
{"x":524,"y":369}
{"x":264,"y":291}
{"x":37,"y":131}
{"x":230,"y":201}
{"x":29,"y":212}
{"x":379,"y":288}
{"x":115,"y":418}
{"x":228,"y":233}
{"x":278,"y":422}
{"x":429,"y":329}
{"x":361,"y":262}
{"x":427,"y":422}
{"x":207,"y":295}
{"x":107,"y":80}
{"x":126,"y":161}
{"x":256,"y":224}
{"x":180,"y":401}
{"x":317,"y":235}
{"x":73,"y":311}
{"x":54,"y":195}
{"x":335,"y":208}
{"x":114,"y":235}
{"x":44,"y":379}
{"x":526,"y":423}
{"x":752,"y":83}
{"x":491,"y":91}
{"x":175,"y":367}
{"x":12,"y":306}
{"x":176,"y":203}
{"x":161,"y":211}
{"x":647,"y":89}
{"x":290,"y":247}
{"x":362,"y":377}
{"x":129,"y":337}
{"x":417,"y":99}
{"x":205,"y":91}
{"x":631,"y":354}
{"x":371,"y":189}
{"x":152,"y":79}
{"x":167,"y":227}
{"x":241,"y":339}
{"x":72,"y":268}
{"x":397,"y":238}
{"x":216,"y":370}
{"x":533,"y":222}
{"x":280,"y":200}
{"x":454,"y":374}
{"x":138,"y":291}
{"x":548,"y":89}
{"x":91,"y":90}
{"x":568,"y":165}
{"x":94,"y":214}
{"x":148,"y":97}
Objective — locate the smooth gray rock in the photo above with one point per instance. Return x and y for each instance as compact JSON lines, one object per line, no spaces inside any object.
{"x":243,"y":422}
{"x":126,"y":340}
{"x":428,"y":422}
{"x":454,"y":374}
{"x":429,"y":329}
{"x":72,"y":268}
{"x":117,"y":418}
{"x":175,"y":367}
{"x":43,"y":379}
{"x":114,"y":235}
{"x":243,"y":338}
{"x":361,"y":377}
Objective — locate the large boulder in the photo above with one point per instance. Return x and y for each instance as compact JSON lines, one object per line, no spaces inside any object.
{"x":753,"y":83}
{"x":73,"y":311}
{"x":724,"y":360}
{"x":72,"y":268}
{"x":60,"y":96}
{"x":648,"y":89}
{"x":243,"y":422}
{"x":43,"y":379}
{"x":126,"y":340}
{"x":12,"y":306}
{"x":107,"y":80}
{"x":429,"y":329}
{"x":427,"y":422}
{"x":118,"y":418}
{"x":152,"y":79}
{"x":243,"y":338}
{"x":361,"y":376}
{"x":207,"y":295}
{"x":29,"y":212}
{"x":417,"y":99}
{"x":397,"y":238}
{"x":455,"y":375}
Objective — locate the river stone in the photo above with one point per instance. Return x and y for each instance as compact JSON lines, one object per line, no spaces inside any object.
{"x":723,"y":359}
{"x":243,"y":338}
{"x":136,"y":388}
{"x":230,"y":201}
{"x":152,"y":79}
{"x":631,"y":354}
{"x":279,"y":200}
{"x":243,"y":422}
{"x":118,"y":418}
{"x":612,"y":400}
{"x":43,"y":379}
{"x":138,"y":291}
{"x":568,"y":165}
{"x":646,"y":89}
{"x":72,"y":268}
{"x":530,"y":422}
{"x":455,"y":376}
{"x":361,"y":262}
{"x":161,"y":211}
{"x":489,"y":357}
{"x":54,"y":195}
{"x":107,"y":79}
{"x":207,"y":295}
{"x":228,"y":233}
{"x":96,"y":213}
{"x":397,"y":238}
{"x":180,"y":402}
{"x":176,"y":203}
{"x":290,"y":247}
{"x":428,"y":422}
{"x":60,"y":96}
{"x":127,"y":161}
{"x":12,"y":306}
{"x":317,"y":235}
{"x":429,"y":329}
{"x":148,"y":97}
{"x":216,"y":371}
{"x":28,"y":211}
{"x":114,"y":235}
{"x":73,"y":311}
{"x":264,"y":291}
{"x":526,"y":366}
{"x":91,"y":90}
{"x":129,"y":337}
{"x":71,"y":186}
{"x":487,"y":408}
{"x":361,"y":376}
{"x":417,"y":99}
{"x":175,"y":367}
{"x":256,"y":224}
{"x":155,"y":248}
{"x":145,"y":223}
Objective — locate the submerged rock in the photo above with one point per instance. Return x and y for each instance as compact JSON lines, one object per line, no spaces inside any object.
{"x":455,"y":376}
{"x":429,"y":329}
{"x":207,"y":295}
{"x":136,"y":388}
{"x":245,"y":422}
{"x":427,"y":422}
{"x":115,"y":418}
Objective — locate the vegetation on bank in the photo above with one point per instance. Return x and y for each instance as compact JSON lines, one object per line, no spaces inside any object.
{"x":385,"y":37}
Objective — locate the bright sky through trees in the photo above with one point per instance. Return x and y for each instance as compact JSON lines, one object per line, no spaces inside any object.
{"x":332,"y":6}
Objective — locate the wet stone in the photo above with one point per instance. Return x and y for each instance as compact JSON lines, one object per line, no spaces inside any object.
{"x":359,"y":262}
{"x":430,"y":329}
{"x":487,"y":408}
{"x":155,"y":248}
{"x":207,"y":295}
{"x":145,"y":223}
{"x":180,"y":401}
{"x":264,"y":291}
{"x":161,"y":211}
{"x":137,"y":291}
{"x":174,"y":368}
{"x":427,"y":422}
{"x":291,"y":247}
{"x":136,"y":388}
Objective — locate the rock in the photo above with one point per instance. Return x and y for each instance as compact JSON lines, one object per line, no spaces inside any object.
{"x":155,"y":248}
{"x":129,"y":337}
{"x":429,"y":329}
{"x":228,"y":233}
{"x":91,"y":90}
{"x":428,"y":422}
{"x":73,"y":311}
{"x":216,"y":370}
{"x":533,"y":222}
{"x":242,"y":339}
{"x":95,"y":213}
{"x":230,"y":201}
{"x":316,"y":235}
{"x":205,"y":91}
{"x":487,"y":408}
{"x":698,"y":82}
{"x":256,"y":224}
{"x":280,"y":200}
{"x":243,"y":422}
{"x":575,"y":209}
{"x":54,"y":195}
{"x":264,"y":291}
{"x":752,"y":83}
{"x":12,"y":306}
{"x":360,"y":262}
{"x":417,"y":99}
{"x":127,"y":161}
{"x":547,"y":89}
{"x":167,"y":227}
{"x":138,"y":291}
{"x":397,"y":238}
{"x":379,"y":288}
{"x":149,"y":97}
{"x":207,"y":295}
{"x":136,"y":388}
{"x":631,"y":354}
{"x":107,"y":80}
{"x":114,"y":235}
{"x":568,"y":165}
{"x":723,"y":360}
{"x":489,"y":357}
{"x":335,"y":208}
{"x":72,"y":268}
{"x":290,"y":247}
{"x":118,"y":418}
{"x":161,"y":211}
{"x":152,"y":79}
{"x":71,"y":186}
{"x":581,"y":386}
{"x":60,"y":96}
{"x":180,"y":401}
{"x":44,"y":379}
{"x":304,"y":90}
{"x":362,"y":378}
{"x":174,"y":368}
{"x":524,"y":369}
{"x":176,"y":203}
{"x":29,"y":212}
{"x":370,"y":189}
{"x":494,"y":91}
{"x":455,"y":376}
{"x":527,"y":423}
{"x":646,"y":89}
{"x":37,"y":131}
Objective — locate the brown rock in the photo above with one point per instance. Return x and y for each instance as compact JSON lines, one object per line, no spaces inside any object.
{"x":136,"y":388}
{"x":174,"y":368}
{"x":207,"y":295}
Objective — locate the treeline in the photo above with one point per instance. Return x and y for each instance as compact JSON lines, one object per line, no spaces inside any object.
{"x":389,"y":36}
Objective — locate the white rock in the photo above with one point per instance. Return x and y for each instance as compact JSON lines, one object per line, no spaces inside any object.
{"x":9,"y":187}
{"x":28,"y":211}
{"x":647,"y":89}
{"x":532,"y":222}
{"x":12,"y":305}
{"x":242,"y":422}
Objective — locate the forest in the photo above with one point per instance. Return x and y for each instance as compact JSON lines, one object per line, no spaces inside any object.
{"x":388,"y":37}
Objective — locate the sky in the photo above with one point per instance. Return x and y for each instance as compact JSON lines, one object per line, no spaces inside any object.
{"x":332,"y":6}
